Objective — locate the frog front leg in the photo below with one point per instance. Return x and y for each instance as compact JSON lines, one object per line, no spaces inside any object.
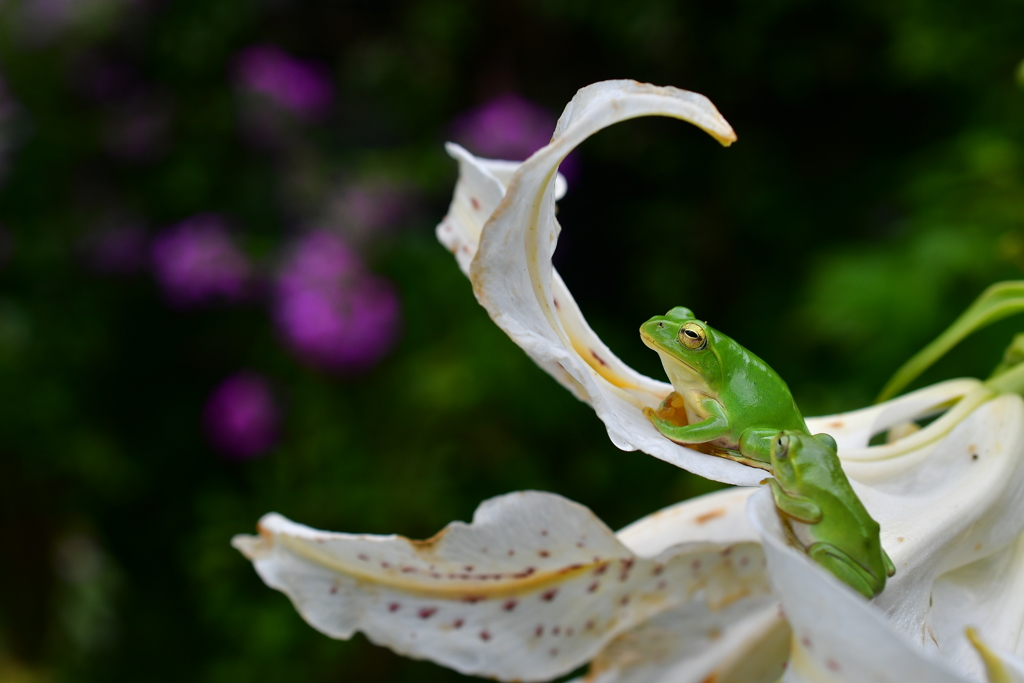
{"x":714,"y":426}
{"x":843,"y":567}
{"x":800,"y":508}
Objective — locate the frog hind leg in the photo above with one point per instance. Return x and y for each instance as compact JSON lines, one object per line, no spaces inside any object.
{"x":755,"y":444}
{"x":843,"y":567}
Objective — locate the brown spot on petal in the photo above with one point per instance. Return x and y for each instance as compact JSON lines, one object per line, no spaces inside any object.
{"x":544,"y":553}
{"x":427,"y":612}
{"x":592,"y":588}
{"x":832,"y":664}
{"x":510,"y":605}
{"x":539,"y":631}
{"x":485,"y":636}
{"x":334,"y":589}
{"x":363,"y":557}
{"x":473,"y":599}
{"x":458,"y":623}
{"x":394,"y":607}
{"x":598,"y":358}
{"x":475,"y":203}
{"x":708,"y":516}
{"x":838,"y":424}
{"x":548,"y":596}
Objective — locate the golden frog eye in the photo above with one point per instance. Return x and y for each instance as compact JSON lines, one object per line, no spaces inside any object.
{"x":693,"y":336}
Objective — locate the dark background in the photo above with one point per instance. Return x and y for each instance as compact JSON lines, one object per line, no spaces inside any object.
{"x":875,"y":190}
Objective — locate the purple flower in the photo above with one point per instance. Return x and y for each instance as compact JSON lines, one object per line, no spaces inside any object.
{"x":241,"y":417}
{"x":329,"y":310}
{"x":304,"y":88}
{"x":196,"y":262}
{"x":507,"y":127}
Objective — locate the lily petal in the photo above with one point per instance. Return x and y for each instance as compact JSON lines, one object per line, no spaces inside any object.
{"x":533,"y":588}
{"x":514,"y":280}
{"x":837,"y":635}
{"x":999,"y":666}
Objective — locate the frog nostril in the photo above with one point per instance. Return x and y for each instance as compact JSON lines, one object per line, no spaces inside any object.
{"x":661,"y":325}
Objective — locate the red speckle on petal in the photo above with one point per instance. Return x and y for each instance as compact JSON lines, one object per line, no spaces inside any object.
{"x":475,"y":203}
{"x":657,"y":570}
{"x":589,"y":625}
{"x":832,"y":664}
{"x":485,"y":636}
{"x":556,"y":631}
{"x":543,"y":553}
{"x":592,"y":588}
{"x":806,"y":642}
{"x":468,"y":567}
{"x":363,"y":557}
{"x":548,"y":596}
{"x":511,"y":553}
{"x":394,"y":607}
{"x":334,"y":589}
{"x":458,"y":623}
{"x":427,"y":612}
{"x":601,"y":569}
{"x":554,"y":652}
{"x":543,"y":532}
{"x":510,"y":605}
{"x":624,"y":601}
{"x":539,"y":631}
{"x":569,"y":631}
{"x":472,"y":599}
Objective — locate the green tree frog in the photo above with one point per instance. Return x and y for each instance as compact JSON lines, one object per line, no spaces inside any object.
{"x":811,"y":489}
{"x":727,"y":401}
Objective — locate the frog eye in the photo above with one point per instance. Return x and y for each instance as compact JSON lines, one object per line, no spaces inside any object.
{"x":693,"y":336}
{"x":781,"y":446}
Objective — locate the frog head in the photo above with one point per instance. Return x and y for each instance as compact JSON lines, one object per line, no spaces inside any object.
{"x":688,"y":349}
{"x":794,"y":455}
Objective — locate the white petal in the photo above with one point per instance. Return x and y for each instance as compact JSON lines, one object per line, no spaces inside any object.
{"x":987,"y":595}
{"x":1000,"y":666}
{"x":837,"y":635}
{"x":945,"y":506}
{"x":534,"y":587}
{"x":747,"y":642}
{"x":852,"y":431}
{"x":514,"y":280}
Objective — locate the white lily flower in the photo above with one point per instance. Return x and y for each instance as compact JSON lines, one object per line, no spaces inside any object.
{"x":537,"y":585}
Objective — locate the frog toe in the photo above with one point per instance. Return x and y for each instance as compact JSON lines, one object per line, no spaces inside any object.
{"x":846,"y":570}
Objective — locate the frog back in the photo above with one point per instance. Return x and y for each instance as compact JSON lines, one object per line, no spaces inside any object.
{"x":750,"y":382}
{"x":846,"y":522}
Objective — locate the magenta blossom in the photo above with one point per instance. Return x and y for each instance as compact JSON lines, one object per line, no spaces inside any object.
{"x":303,"y":88}
{"x":329,"y":310}
{"x":507,"y":127}
{"x":241,"y":417}
{"x":196,"y":262}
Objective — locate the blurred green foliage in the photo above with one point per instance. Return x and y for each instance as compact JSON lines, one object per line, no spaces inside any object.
{"x":875,"y":190}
